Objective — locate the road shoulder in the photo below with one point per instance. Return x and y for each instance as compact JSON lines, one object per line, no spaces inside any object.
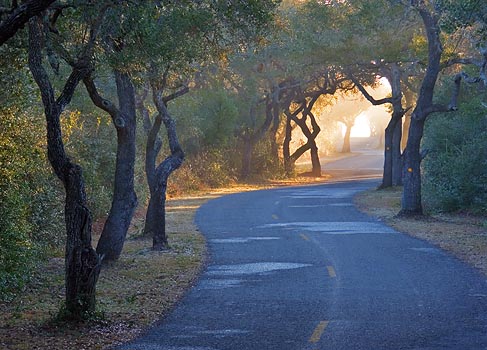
{"x":464,"y":236}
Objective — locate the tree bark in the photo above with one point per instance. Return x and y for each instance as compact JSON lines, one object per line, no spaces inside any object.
{"x":346,"y":139}
{"x":124,"y":199}
{"x":411,"y":197}
{"x":157,"y":177}
{"x":407,"y":118}
{"x":392,"y":173}
{"x":82,"y":263}
{"x":286,"y":152}
{"x":315,"y":158}
{"x":19,"y":16}
{"x":397,"y":154}
{"x":248,"y":147}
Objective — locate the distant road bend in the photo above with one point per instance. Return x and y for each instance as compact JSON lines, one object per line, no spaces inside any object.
{"x":301,"y":269}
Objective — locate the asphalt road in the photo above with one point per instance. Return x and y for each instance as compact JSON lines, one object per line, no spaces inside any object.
{"x":301,"y":269}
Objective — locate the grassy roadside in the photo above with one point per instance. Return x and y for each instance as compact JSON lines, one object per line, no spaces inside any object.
{"x":465,"y":236}
{"x":143,"y":285}
{"x":132,"y":293}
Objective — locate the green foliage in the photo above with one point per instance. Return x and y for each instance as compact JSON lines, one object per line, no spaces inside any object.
{"x":218,"y":122}
{"x":455,"y":170}
{"x":265,"y":164}
{"x":206,"y":169}
{"x":30,"y":216}
{"x":91,"y":141}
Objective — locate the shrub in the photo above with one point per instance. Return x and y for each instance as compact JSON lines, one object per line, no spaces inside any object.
{"x":455,"y":170}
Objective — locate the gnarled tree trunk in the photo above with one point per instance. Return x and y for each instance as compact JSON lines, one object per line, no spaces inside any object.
{"x":392,"y":173}
{"x":346,"y":139}
{"x":81,"y":260}
{"x":397,"y":155}
{"x":157,"y":177}
{"x":124,"y":199}
{"x":310,"y":134}
{"x":411,"y":197}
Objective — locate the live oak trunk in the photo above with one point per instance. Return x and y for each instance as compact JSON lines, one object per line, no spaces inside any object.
{"x":309,"y":133}
{"x":82,"y":263}
{"x":346,"y":138}
{"x":387,"y":172}
{"x":124,"y":199}
{"x":248,"y":147}
{"x":286,"y":151}
{"x":157,"y":177}
{"x":411,"y":198}
{"x":392,"y":173}
{"x":315,"y":160}
{"x":397,"y":155}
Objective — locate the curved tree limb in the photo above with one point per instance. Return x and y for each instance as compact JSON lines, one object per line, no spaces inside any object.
{"x":19,"y":17}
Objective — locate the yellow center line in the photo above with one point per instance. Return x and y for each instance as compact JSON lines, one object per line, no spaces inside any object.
{"x":331,"y":271}
{"x":275,"y":217}
{"x":303,"y":236}
{"x":318,"y":332}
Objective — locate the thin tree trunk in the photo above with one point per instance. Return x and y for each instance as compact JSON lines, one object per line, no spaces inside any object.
{"x":315,"y":160}
{"x":392,"y":134}
{"x":388,"y":136}
{"x":248,"y":147}
{"x":157,"y":177}
{"x":286,"y":151}
{"x":392,"y":151}
{"x":396,"y":154}
{"x":346,"y":139}
{"x":82,"y":263}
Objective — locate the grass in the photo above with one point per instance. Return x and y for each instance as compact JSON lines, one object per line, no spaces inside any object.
{"x":143,"y":285}
{"x":463,"y":235}
{"x":131,"y":293}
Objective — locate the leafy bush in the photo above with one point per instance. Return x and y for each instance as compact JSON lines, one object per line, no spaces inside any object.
{"x":91,"y":141}
{"x":455,"y":170}
{"x":30,"y":214}
{"x":208,"y":169}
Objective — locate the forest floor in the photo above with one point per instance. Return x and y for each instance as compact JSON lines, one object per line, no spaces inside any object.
{"x":144,"y":285}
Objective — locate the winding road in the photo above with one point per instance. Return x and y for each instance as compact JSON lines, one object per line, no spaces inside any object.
{"x":301,"y":269}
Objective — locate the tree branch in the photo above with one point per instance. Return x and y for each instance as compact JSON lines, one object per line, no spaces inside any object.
{"x":175,"y":95}
{"x":368,"y":96}
{"x":103,"y":103}
{"x":19,"y":17}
